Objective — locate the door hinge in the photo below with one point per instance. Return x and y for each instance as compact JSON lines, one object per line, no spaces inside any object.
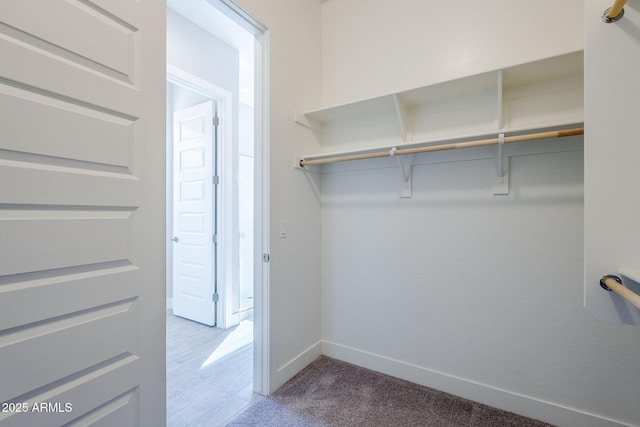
{"x":266,"y":258}
{"x":215,"y":297}
{"x":216,"y":239}
{"x":216,"y":180}
{"x":215,"y":121}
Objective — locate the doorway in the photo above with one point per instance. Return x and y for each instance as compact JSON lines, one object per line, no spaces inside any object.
{"x":231,"y":333}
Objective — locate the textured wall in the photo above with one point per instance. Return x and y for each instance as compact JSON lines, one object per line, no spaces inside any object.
{"x":404,"y":44}
{"x":455,"y":288}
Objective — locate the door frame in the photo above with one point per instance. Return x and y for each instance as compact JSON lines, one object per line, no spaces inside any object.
{"x":262,"y":185}
{"x":261,"y":319}
{"x":261,"y":212}
{"x":225,"y":274}
{"x":261,"y":217}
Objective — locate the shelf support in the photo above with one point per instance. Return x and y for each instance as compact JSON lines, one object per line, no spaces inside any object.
{"x":405,"y":163}
{"x":501,"y":183}
{"x":302,"y":120}
{"x":312,"y":176}
{"x":500,"y":157}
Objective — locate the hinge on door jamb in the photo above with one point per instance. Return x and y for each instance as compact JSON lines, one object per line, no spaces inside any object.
{"x":216,"y":180}
{"x":215,"y":297}
{"x":266,"y":258}
{"x":215,"y":121}
{"x":215,"y":238}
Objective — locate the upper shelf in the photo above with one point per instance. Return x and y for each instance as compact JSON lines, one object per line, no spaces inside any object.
{"x":534,"y":95}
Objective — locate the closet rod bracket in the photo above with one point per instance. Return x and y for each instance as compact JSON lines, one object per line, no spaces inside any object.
{"x":609,"y":276}
{"x":500,"y":158}
{"x":501,"y":179}
{"x":610,"y":19}
{"x":405,"y":163}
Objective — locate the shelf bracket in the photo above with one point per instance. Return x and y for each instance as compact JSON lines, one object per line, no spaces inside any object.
{"x":312,"y":176}
{"x":501,"y":179}
{"x":405,"y":163}
{"x":302,"y":120}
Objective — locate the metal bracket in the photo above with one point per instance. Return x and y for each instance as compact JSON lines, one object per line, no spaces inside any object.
{"x":406,"y":172}
{"x":501,"y":183}
{"x":500,"y":157}
{"x":312,"y":176}
{"x":609,"y":19}
{"x":609,"y":276}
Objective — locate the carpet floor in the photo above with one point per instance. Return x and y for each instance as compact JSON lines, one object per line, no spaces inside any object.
{"x":329,"y":392}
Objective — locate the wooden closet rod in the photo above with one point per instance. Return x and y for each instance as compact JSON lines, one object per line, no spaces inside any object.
{"x":613,"y":283}
{"x":615,"y":12}
{"x":442,"y":147}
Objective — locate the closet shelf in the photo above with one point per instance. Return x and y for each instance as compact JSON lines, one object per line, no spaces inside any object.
{"x":537,"y":95}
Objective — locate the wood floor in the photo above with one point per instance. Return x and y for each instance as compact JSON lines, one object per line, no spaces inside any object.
{"x":206,"y":386}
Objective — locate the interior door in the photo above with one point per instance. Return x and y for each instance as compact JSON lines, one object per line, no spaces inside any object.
{"x":82,"y":212}
{"x":194,"y":213}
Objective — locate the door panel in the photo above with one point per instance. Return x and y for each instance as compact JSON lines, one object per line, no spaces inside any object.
{"x":113,"y":34}
{"x":60,"y":335}
{"x":91,"y":136}
{"x":62,"y":238}
{"x":194,"y":213}
{"x":81,"y":212}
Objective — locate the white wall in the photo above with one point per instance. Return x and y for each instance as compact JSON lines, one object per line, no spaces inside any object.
{"x":404,"y":44}
{"x":294,"y":85}
{"x":196,"y":51}
{"x":455,"y":288}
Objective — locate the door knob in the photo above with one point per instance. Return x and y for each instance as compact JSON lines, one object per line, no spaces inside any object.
{"x":175,"y":239}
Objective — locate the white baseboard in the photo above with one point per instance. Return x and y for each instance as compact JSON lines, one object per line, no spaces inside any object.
{"x":295,"y":365}
{"x":503,"y":399}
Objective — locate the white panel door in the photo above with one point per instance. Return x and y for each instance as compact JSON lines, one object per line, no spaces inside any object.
{"x":82,"y":95}
{"x":194,"y":210}
{"x":612,"y":158}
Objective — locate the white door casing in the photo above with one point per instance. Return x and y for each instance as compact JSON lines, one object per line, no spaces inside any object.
{"x":194,"y":207}
{"x":82,"y":245}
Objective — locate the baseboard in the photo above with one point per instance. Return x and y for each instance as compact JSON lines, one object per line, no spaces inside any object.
{"x":295,"y":365}
{"x":503,"y":399}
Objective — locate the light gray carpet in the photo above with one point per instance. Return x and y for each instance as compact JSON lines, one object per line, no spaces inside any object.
{"x":333,"y":393}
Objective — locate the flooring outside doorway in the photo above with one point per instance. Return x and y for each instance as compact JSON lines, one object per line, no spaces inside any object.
{"x":209,"y":372}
